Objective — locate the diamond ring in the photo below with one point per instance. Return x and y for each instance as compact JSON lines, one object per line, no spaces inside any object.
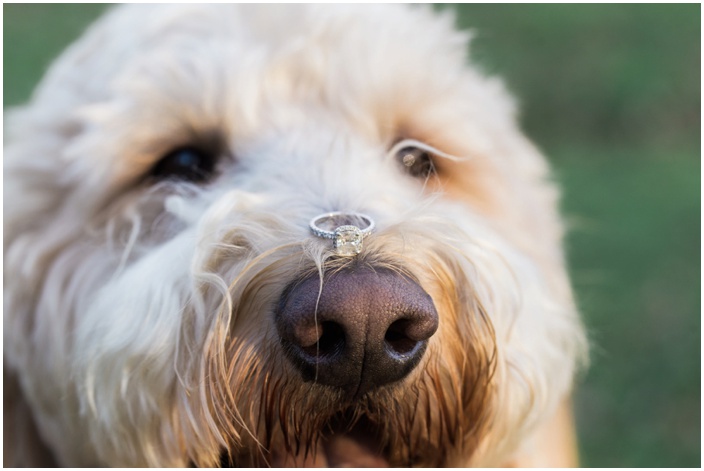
{"x":346,"y":229}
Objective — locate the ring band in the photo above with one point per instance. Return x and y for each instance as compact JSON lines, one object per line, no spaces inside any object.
{"x":346,"y":218}
{"x":347,"y":236}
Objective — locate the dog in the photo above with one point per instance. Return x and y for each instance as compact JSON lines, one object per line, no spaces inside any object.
{"x":281,"y":235}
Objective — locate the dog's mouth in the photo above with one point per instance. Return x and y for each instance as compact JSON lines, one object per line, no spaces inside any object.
{"x":345,"y":442}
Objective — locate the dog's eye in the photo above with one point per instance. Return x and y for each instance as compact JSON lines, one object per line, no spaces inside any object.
{"x":185,"y":163}
{"x":417,"y":162}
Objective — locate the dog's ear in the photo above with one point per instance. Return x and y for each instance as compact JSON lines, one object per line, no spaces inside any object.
{"x":22,"y":445}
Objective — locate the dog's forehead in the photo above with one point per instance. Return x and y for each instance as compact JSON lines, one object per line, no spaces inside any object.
{"x":355,"y":41}
{"x":367,"y":29}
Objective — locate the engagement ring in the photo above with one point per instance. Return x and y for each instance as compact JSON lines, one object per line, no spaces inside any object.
{"x":346,"y":229}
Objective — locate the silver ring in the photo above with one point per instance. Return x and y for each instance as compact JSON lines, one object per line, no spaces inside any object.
{"x":346,"y":233}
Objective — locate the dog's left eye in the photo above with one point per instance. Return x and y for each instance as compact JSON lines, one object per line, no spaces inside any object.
{"x":185,"y":163}
{"x":416,"y":161}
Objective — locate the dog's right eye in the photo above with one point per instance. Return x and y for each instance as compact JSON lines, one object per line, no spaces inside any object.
{"x":185,"y":163}
{"x":417,"y":162}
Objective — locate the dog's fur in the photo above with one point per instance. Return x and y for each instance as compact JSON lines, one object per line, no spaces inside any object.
{"x":138,"y":323}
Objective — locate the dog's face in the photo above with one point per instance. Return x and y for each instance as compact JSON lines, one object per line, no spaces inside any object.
{"x":163,"y":294}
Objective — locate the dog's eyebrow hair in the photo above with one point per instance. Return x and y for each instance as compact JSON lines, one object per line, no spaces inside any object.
{"x":428,"y":148}
{"x":210,"y":139}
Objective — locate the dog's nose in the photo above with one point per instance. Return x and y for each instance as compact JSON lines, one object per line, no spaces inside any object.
{"x":365,"y":328}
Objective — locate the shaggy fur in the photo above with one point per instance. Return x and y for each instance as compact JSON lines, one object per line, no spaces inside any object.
{"x":138,"y":323}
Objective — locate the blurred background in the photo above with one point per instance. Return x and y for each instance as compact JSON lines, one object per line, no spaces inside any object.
{"x":611,"y":93}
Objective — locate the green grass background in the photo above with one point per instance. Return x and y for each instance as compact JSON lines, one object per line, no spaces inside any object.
{"x":611,"y":93}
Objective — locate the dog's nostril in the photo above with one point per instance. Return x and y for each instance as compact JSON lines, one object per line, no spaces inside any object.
{"x":331,"y":341}
{"x":397,"y":340}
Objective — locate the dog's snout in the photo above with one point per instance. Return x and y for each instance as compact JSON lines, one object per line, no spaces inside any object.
{"x":364,"y":329}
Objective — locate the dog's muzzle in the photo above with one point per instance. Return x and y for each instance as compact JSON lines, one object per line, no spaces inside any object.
{"x":365,"y":329}
{"x":350,"y":229}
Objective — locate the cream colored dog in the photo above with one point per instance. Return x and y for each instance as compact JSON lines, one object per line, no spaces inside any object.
{"x":281,"y":235}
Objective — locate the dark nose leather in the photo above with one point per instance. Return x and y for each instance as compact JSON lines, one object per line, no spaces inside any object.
{"x":365,"y":329}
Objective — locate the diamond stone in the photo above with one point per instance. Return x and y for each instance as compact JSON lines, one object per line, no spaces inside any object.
{"x":348,"y":240}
